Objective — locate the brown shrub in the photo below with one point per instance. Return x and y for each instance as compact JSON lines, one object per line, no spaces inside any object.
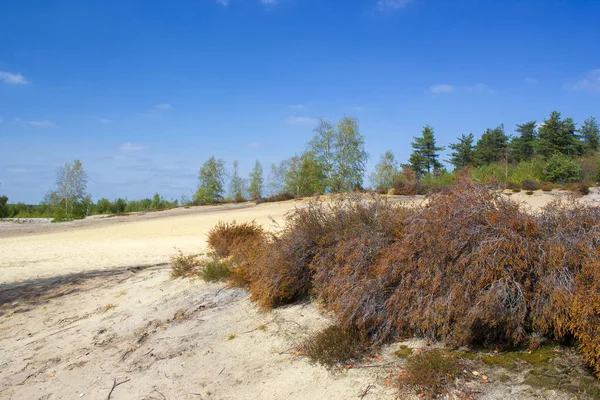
{"x":225,"y":236}
{"x":335,"y":347}
{"x":432,"y":373}
{"x":183,"y":265}
{"x":547,"y":186}
{"x":463,"y":269}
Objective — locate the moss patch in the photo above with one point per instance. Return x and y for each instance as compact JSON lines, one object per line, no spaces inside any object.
{"x":403,"y":351}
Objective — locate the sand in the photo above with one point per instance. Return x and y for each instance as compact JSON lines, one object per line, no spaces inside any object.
{"x":89,"y":303}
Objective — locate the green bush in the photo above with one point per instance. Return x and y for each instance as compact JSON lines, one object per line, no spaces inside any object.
{"x":183,"y":265}
{"x":528,"y":184}
{"x":213,"y":270}
{"x":530,"y":170}
{"x":561,"y":168}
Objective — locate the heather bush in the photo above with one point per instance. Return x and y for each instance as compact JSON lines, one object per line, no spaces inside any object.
{"x":529,"y":184}
{"x":213,"y":270}
{"x":183,"y":265}
{"x":334,"y":347}
{"x":225,"y":236}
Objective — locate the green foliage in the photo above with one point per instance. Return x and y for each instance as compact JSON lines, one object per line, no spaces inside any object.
{"x":304,"y":176}
{"x":424,"y":158}
{"x":183,"y":265}
{"x":256,"y":181}
{"x":322,"y":145}
{"x":492,"y":146}
{"x":561,"y":168}
{"x":522,"y":147}
{"x":463,"y":152}
{"x":236,"y":186}
{"x":590,"y":134}
{"x":350,"y":157}
{"x":489,"y":174}
{"x":531,"y":169}
{"x":3,"y":207}
{"x":213,"y":270}
{"x":383,"y":176}
{"x":436,"y":181}
{"x":211,"y":181}
{"x":71,"y":183}
{"x":558,"y":136}
{"x":590,"y":167}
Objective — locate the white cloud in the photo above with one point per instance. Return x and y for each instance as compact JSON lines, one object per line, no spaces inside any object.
{"x":224,"y":3}
{"x":163,"y":106}
{"x":481,"y":88}
{"x":590,"y":82}
{"x":131,"y":147}
{"x":14,"y":79}
{"x":385,"y":5}
{"x":293,"y":120}
{"x":442,"y":88}
{"x":297,"y":107}
{"x":40,"y":123}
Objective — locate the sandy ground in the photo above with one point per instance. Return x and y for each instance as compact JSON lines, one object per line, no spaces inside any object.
{"x":89,"y":304}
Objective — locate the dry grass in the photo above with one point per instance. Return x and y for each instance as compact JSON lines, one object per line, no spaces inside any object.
{"x":224,"y":237}
{"x":184,"y":265}
{"x":334,"y":347}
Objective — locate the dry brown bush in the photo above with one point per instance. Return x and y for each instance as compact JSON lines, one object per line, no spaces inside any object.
{"x":335,"y":346}
{"x":225,"y":236}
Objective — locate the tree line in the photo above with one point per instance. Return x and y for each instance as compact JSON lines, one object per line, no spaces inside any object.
{"x":334,"y":160}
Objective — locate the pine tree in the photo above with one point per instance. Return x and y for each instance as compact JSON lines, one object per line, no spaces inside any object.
{"x":463,"y":153}
{"x":492,"y":146}
{"x":558,"y":136}
{"x":425,"y":156}
{"x":590,"y":134}
{"x":523,"y":146}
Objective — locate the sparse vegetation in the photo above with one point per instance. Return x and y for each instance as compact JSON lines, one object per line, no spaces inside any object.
{"x":184,"y":265}
{"x":334,"y":347}
{"x":213,"y":270}
{"x":224,"y":237}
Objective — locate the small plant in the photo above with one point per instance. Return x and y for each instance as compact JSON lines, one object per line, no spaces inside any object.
{"x":334,"y":346}
{"x":583,"y":189}
{"x":224,"y":237}
{"x":529,"y":193}
{"x":107,"y":307}
{"x":530,"y":184}
{"x":262,"y":327}
{"x":431,"y":372}
{"x":183,"y":265}
{"x":231,"y":336}
{"x":121,"y":293}
{"x":547,"y":186}
{"x":403,"y":351}
{"x":516,"y":190}
{"x":213,"y":270}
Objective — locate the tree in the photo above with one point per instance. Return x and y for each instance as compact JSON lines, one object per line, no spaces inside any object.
{"x":277,"y":174}
{"x":3,"y":207}
{"x":349,"y":157}
{"x":236,"y":186}
{"x":385,"y":172}
{"x":558,"y":136}
{"x":463,"y":153}
{"x":492,"y":146}
{"x":256,"y":181}
{"x":561,"y":168}
{"x":425,"y":156}
{"x":590,"y":134}
{"x":523,"y":146}
{"x":323,"y":146}
{"x":211,"y":179}
{"x":71,"y":184}
{"x":304,"y":176}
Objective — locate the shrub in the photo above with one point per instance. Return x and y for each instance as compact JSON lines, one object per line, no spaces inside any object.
{"x":276,"y":197}
{"x":213,"y":270}
{"x":334,"y":347}
{"x":561,"y":168}
{"x":530,"y":170}
{"x":547,"y":186}
{"x":183,"y":265}
{"x":516,"y":190}
{"x":529,"y":193}
{"x":225,"y":236}
{"x":431,"y":372}
{"x":583,"y":189}
{"x":512,"y":185}
{"x":528,"y":184}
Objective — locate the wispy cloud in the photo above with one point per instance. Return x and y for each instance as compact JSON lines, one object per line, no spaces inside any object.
{"x":297,"y":107}
{"x":40,"y":123}
{"x":131,"y":147}
{"x":442,"y":88}
{"x":590,"y":82}
{"x":163,"y":106}
{"x":481,"y":88}
{"x":392,"y":5}
{"x":13,"y":79}
{"x":293,"y":120}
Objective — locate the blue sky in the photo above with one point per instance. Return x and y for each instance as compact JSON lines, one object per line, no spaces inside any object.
{"x":143,"y":92}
